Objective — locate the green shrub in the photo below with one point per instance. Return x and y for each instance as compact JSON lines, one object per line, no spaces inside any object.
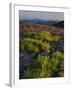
{"x":32,"y":45}
{"x":58,"y":64}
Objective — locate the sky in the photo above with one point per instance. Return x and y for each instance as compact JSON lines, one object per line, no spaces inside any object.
{"x":42,"y":15}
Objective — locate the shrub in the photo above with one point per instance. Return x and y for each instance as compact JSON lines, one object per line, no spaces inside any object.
{"x":32,"y":45}
{"x":58,"y":64}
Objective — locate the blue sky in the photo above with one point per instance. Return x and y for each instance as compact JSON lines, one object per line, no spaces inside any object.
{"x":40,"y":15}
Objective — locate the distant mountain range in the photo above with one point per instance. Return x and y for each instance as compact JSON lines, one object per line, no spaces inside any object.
{"x":38,"y":21}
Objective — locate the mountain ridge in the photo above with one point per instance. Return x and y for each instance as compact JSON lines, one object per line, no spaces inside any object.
{"x":38,"y":21}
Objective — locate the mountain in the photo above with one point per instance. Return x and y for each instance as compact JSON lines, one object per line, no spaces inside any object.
{"x":59,"y":24}
{"x":38,"y":21}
